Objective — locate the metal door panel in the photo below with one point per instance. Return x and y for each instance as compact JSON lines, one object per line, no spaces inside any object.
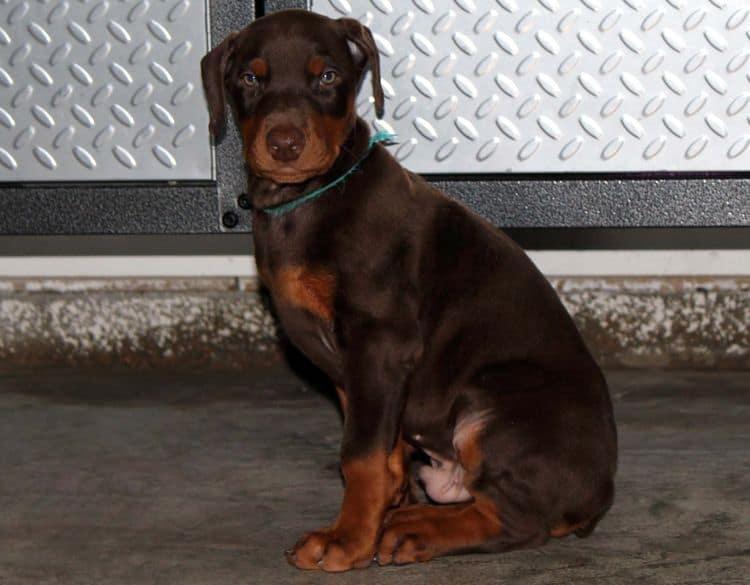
{"x":103,"y":91}
{"x":561,"y":86}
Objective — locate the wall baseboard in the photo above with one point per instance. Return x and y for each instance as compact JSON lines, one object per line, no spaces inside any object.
{"x":223,"y":322}
{"x":553,"y":263}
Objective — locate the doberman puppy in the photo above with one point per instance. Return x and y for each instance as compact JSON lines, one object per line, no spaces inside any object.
{"x":439,"y":333}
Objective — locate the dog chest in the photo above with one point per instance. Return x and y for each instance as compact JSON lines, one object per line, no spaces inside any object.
{"x":305,"y":288}
{"x":304,"y":299}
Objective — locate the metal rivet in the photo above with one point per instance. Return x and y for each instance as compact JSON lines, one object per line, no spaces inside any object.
{"x":230,"y":219}
{"x":244,"y":201}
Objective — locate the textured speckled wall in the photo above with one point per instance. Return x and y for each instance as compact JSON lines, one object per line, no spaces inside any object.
{"x":223,"y":323}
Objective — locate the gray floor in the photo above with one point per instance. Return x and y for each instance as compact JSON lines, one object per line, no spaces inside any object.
{"x":134,"y":478}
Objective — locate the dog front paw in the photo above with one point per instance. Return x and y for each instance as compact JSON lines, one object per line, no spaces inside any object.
{"x":330,"y":550}
{"x":404,"y":541}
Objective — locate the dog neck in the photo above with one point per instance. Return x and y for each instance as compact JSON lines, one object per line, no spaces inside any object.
{"x":266,"y":194}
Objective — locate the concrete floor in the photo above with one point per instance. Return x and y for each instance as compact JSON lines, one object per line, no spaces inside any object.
{"x":154,"y":478}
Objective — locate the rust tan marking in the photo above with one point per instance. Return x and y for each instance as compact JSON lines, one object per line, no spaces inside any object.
{"x":307,"y":288}
{"x":259,"y":67}
{"x":342,"y":399}
{"x":332,"y":130}
{"x":398,"y":461}
{"x":372,"y":484}
{"x":411,"y":486}
{"x":466,"y":440}
{"x":323,"y":138}
{"x":316,"y":65}
{"x":420,"y":532}
{"x":563,"y":530}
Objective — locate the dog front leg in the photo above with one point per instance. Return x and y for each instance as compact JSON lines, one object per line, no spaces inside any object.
{"x":372,"y":456}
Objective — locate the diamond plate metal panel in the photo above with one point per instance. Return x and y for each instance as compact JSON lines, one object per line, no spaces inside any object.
{"x":102,"y":90}
{"x":548,"y":86}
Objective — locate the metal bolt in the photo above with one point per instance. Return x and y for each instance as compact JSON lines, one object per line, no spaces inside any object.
{"x":230,"y":219}
{"x":244,"y":201}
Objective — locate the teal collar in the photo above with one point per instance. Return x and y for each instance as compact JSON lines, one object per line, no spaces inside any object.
{"x":283,"y":208}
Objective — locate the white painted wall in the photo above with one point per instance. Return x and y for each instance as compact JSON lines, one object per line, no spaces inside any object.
{"x":552,"y":263}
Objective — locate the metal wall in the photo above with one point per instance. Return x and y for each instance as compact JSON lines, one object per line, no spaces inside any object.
{"x":103,"y":91}
{"x":546,"y":113}
{"x":561,"y":86}
{"x":103,"y":126}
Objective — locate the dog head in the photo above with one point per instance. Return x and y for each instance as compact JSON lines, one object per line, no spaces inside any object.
{"x":292,"y":79}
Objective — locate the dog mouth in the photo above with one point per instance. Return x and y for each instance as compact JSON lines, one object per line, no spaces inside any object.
{"x":291,"y":173}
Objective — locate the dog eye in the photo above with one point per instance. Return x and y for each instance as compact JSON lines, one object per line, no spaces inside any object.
{"x":328,"y":77}
{"x":250,"y":79}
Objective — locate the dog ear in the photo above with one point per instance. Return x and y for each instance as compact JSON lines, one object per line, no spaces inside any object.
{"x":213,"y":72}
{"x":360,"y":37}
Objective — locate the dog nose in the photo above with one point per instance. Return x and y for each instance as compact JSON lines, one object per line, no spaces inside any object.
{"x":285,"y":143}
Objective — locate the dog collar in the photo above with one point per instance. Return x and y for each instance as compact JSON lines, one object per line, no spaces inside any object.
{"x":283,"y":208}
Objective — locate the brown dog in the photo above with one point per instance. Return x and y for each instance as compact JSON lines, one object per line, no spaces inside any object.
{"x":438,"y":331}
